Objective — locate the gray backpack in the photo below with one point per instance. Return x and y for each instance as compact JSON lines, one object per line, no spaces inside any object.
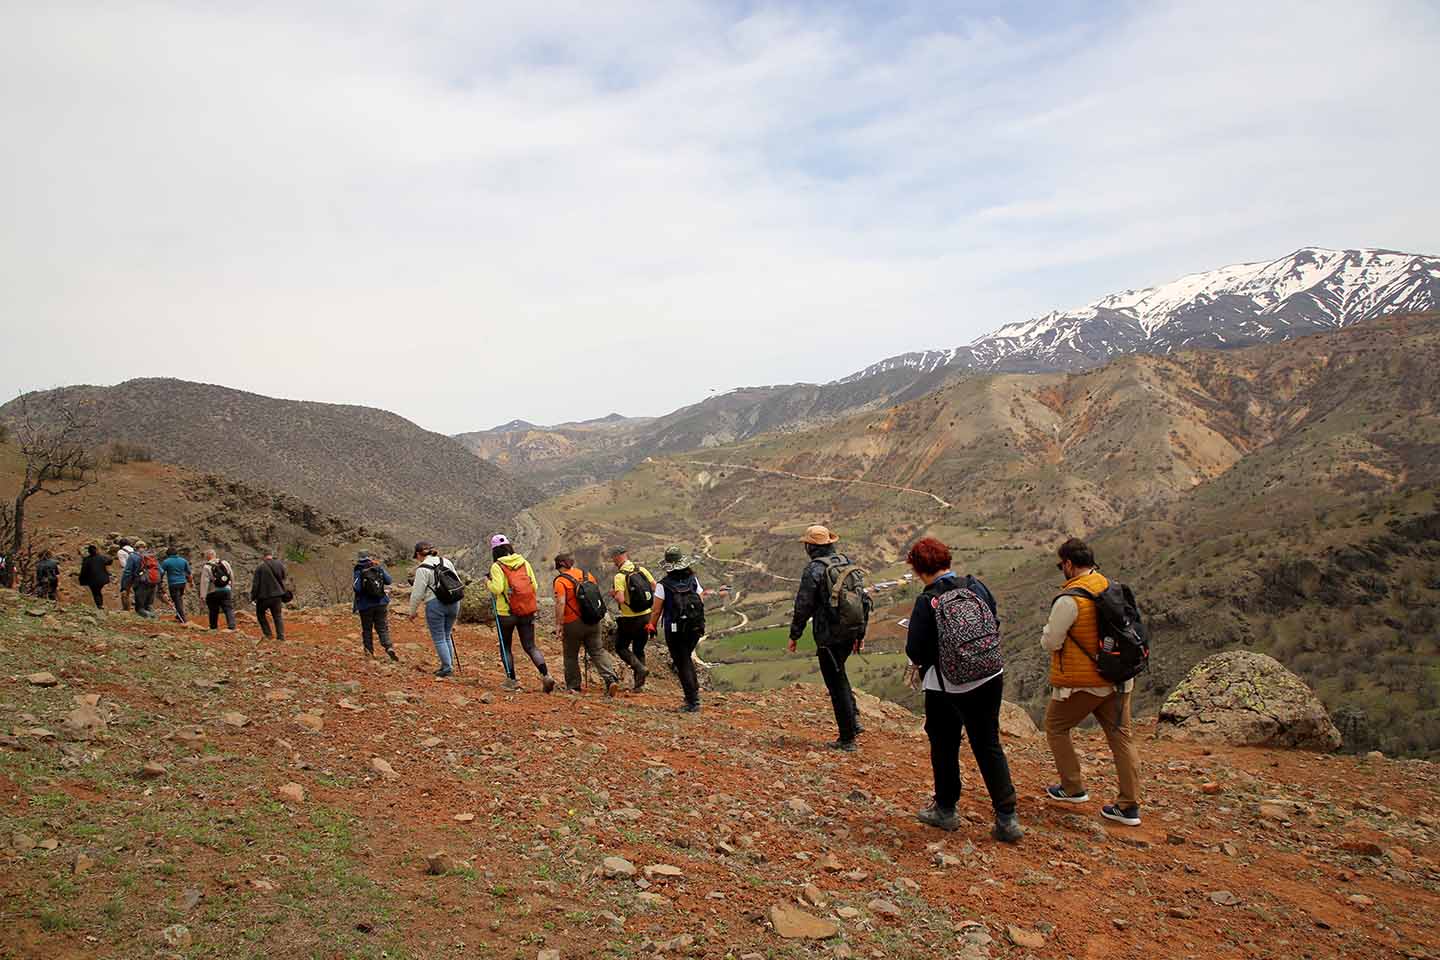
{"x":845,"y":597}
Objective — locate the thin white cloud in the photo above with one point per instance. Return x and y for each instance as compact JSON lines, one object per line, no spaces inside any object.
{"x":472,"y":212}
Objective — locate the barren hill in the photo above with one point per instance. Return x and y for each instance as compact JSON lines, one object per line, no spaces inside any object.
{"x":375,"y":467}
{"x":195,"y":794}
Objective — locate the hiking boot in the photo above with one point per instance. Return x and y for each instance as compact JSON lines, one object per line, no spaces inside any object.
{"x":548,"y":683}
{"x":845,"y":746}
{"x":640,"y":674}
{"x":1130,"y":816}
{"x":938,"y":817}
{"x":1007,"y":828}
{"x":1058,"y":793}
{"x":611,"y":689}
{"x":689,"y":708}
{"x":443,"y":672}
{"x":858,"y":728}
{"x":511,"y":685}
{"x":370,"y":652}
{"x":390,"y":652}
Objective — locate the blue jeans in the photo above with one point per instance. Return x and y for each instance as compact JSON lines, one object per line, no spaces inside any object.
{"x":440,"y":618}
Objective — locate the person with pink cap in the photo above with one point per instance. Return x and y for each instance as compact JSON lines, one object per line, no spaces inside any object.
{"x":515,"y":593}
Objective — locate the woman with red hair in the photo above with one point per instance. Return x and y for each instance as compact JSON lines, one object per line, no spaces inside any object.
{"x":954,"y":650}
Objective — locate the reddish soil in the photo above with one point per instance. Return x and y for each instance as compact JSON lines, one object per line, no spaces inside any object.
{"x":544,"y":778}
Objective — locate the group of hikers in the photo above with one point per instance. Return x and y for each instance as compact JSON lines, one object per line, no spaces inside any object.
{"x":143,"y":573}
{"x":1093,"y":635}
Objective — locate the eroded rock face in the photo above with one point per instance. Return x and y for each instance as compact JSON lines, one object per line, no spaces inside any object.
{"x":1243,"y":698}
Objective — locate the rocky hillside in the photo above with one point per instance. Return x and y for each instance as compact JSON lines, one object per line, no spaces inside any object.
{"x":169,"y":791}
{"x":168,"y":505}
{"x":370,"y":465}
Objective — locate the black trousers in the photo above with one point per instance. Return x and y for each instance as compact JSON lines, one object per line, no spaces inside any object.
{"x":507,"y":626}
{"x":948,"y":717}
{"x":681,"y":646}
{"x":177,"y":598}
{"x":374,"y":621}
{"x":630,"y":640}
{"x":274,"y":607}
{"x":95,"y":591}
{"x":145,"y":598}
{"x":837,"y":681}
{"x":221,"y":601}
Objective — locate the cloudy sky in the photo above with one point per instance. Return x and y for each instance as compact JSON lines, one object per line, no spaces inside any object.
{"x":469,"y":212}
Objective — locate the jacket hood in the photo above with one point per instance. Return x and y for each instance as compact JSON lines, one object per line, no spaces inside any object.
{"x":512,"y":560}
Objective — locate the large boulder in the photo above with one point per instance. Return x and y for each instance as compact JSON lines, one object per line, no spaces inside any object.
{"x":1242,"y":698}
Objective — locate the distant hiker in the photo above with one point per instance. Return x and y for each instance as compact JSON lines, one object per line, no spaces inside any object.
{"x":634,"y":593}
{"x":832,"y":594}
{"x":95,"y":573}
{"x":1072,"y":637}
{"x":436,"y":583}
{"x":579,"y":610}
{"x":122,"y":557}
{"x":217,"y":586}
{"x":679,"y":611}
{"x":515,"y":595}
{"x":6,"y":574}
{"x":142,"y":572}
{"x":269,"y":593}
{"x":372,"y":603}
{"x":954,"y":648}
{"x":47,"y":577}
{"x":177,"y":576}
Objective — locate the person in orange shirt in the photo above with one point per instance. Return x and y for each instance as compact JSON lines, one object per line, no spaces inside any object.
{"x":577,"y":623}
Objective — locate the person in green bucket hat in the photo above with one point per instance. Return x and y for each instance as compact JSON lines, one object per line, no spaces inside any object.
{"x":679,"y":612}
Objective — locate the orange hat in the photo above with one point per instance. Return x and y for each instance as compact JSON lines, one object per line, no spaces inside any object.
{"x":819,"y":535}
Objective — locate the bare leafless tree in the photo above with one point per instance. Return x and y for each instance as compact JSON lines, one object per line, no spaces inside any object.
{"x":51,"y":437}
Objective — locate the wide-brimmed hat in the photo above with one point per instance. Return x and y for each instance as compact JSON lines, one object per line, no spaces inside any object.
{"x":618,"y":550}
{"x":676,"y":558}
{"x":819,"y":536}
{"x":362,"y":556}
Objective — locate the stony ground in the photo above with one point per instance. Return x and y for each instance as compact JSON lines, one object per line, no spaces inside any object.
{"x":171,"y":792}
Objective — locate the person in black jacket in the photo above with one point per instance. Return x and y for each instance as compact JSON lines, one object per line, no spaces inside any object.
{"x":93,"y":574}
{"x":47,"y":577}
{"x":951,"y":710}
{"x":831,"y":649}
{"x":268,"y":592}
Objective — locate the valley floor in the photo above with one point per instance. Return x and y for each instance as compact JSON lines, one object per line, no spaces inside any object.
{"x":1244,"y":853}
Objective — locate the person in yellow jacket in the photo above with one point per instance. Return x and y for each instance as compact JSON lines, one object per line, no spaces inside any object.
{"x":515,"y":593}
{"x":630,"y":633}
{"x":1072,"y":637}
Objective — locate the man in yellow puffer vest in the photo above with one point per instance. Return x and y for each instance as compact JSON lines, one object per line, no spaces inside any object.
{"x":1072,"y":637}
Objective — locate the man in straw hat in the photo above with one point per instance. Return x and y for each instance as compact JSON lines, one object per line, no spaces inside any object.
{"x":833,"y":597}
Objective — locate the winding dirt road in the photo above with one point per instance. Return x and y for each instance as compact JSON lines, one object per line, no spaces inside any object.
{"x":799,"y":476}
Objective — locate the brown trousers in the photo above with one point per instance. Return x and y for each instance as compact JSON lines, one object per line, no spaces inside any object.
{"x":577,"y":634}
{"x":1113,"y":713}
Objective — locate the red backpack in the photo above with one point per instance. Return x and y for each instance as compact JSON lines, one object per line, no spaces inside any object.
{"x":520,"y":591}
{"x":149,"y":569}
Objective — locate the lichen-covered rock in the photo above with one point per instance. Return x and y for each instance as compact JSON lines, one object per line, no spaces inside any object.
{"x":1242,"y":698}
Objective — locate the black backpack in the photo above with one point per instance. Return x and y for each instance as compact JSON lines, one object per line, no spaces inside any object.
{"x":587,"y":598}
{"x":1124,"y":642}
{"x":447,"y":585}
{"x":219,"y":576}
{"x":639,"y":591}
{"x":371,"y":583}
{"x":684,"y":607}
{"x":845,"y":598}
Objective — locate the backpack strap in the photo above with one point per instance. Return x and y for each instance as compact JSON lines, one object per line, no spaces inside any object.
{"x":1083,"y":594}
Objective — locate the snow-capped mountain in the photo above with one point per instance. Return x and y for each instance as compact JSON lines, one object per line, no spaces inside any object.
{"x":1311,"y":290}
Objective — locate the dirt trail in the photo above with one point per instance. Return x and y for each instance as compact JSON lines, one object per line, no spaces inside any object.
{"x":797,"y":476}
{"x":707,"y":542}
{"x":1244,"y":853}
